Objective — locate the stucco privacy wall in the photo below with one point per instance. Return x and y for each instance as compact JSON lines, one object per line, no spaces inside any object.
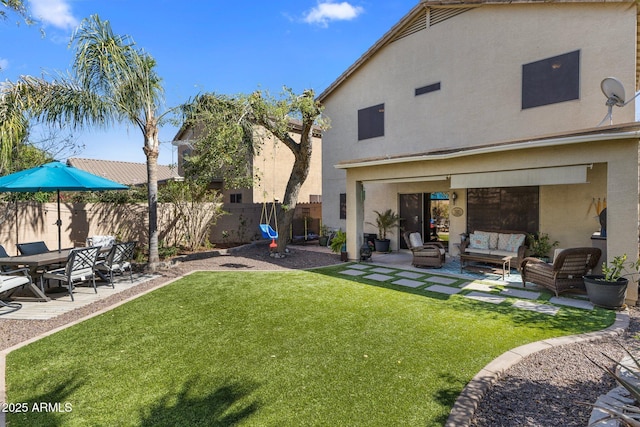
{"x":36,"y":221}
{"x":479,"y":65}
{"x":612,"y":173}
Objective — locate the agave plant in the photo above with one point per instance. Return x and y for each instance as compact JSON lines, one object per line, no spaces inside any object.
{"x":627,"y":414}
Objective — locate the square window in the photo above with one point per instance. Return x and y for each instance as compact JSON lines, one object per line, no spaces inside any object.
{"x":236,"y":198}
{"x":551,"y":80}
{"x":371,"y":122}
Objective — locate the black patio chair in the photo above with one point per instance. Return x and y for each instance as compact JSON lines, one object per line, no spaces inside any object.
{"x":32,"y":248}
{"x":118,"y":260}
{"x":79,"y":268}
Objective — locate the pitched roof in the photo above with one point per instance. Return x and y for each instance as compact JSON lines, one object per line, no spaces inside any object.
{"x":127,"y":173}
{"x":416,"y":20}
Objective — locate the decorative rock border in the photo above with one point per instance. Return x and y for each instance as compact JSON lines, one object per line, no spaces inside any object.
{"x":467,"y":403}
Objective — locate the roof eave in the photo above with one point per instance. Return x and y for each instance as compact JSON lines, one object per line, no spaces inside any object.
{"x":581,"y":138}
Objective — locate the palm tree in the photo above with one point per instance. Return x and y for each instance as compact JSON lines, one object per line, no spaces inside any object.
{"x":111,"y":82}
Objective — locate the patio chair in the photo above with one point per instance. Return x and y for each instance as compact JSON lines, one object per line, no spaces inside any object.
{"x":32,"y":248}
{"x":4,"y":254}
{"x":118,"y":260}
{"x":79,"y":268}
{"x":566,"y":273}
{"x":9,"y":282}
{"x":431,"y":254}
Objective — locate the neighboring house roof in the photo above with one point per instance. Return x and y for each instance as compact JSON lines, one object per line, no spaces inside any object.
{"x":622,"y":131}
{"x":419,"y":18}
{"x":127,"y":173}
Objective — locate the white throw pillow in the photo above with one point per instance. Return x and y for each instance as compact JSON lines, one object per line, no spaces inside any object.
{"x":415,"y":239}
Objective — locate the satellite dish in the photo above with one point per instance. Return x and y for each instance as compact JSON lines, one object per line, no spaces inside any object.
{"x":613,"y":90}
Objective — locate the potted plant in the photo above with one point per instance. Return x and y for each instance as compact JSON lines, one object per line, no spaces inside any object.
{"x":385,"y":221}
{"x":324,"y":235}
{"x":339,"y":244}
{"x":540,"y":245}
{"x":609,"y":290}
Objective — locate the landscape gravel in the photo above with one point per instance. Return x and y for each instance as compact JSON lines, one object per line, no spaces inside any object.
{"x":545,"y":389}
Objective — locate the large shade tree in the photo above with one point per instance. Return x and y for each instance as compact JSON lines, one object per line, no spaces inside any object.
{"x":226,"y":138}
{"x":111,"y":81}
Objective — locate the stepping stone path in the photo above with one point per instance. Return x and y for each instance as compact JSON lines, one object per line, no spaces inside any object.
{"x":449,"y":290}
{"x":408,"y":282}
{"x":490,"y":298}
{"x":476,"y":290}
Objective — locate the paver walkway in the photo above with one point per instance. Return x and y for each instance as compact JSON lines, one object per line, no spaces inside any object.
{"x":479,"y":288}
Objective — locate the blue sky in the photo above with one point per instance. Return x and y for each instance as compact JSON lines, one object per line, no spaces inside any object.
{"x":204,"y":46}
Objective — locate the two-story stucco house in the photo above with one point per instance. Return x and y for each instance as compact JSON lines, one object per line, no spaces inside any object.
{"x":499,"y":103}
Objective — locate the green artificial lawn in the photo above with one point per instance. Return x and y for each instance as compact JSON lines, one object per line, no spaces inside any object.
{"x":272,"y":349}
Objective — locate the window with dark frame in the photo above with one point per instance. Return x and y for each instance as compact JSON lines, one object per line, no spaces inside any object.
{"x":343,"y":205}
{"x":551,"y":80}
{"x":371,"y":122}
{"x":236,"y":198}
{"x":506,"y":208}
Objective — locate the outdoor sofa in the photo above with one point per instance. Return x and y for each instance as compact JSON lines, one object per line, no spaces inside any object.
{"x":497,"y":243}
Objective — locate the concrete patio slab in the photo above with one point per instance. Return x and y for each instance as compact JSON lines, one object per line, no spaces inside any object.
{"x":61,"y":302}
{"x":443,"y":289}
{"x":360,"y":266}
{"x":570,"y":302}
{"x":517,"y":293}
{"x":378,"y":277}
{"x":441,"y":280}
{"x":490,"y":298}
{"x":537,"y":307}
{"x":383,"y":270}
{"x":408,"y":282}
{"x":351,"y":272}
{"x":410,"y":274}
{"x":477,"y":286}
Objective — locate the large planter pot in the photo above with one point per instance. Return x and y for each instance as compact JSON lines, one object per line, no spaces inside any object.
{"x":323,"y":240}
{"x":606,"y":294}
{"x":382,"y":245}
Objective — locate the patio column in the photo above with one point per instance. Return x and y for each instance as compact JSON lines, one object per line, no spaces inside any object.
{"x":622,"y":209}
{"x":355,"y":217}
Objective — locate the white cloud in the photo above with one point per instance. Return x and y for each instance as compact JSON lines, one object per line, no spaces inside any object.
{"x":54,"y":12}
{"x":4,"y":64}
{"x":329,"y":11}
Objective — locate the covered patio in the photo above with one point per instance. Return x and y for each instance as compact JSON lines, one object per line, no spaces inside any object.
{"x":566,"y":173}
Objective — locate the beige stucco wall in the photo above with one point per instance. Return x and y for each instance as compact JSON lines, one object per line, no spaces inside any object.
{"x":273,"y":167}
{"x":479,"y":65}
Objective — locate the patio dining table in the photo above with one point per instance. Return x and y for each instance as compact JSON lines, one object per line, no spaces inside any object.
{"x":33,"y":262}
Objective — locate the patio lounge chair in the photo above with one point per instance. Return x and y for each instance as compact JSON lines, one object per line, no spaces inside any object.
{"x":430,"y":254}
{"x":566,"y":273}
{"x":118,"y":260}
{"x":9,"y":282}
{"x":79,"y":268}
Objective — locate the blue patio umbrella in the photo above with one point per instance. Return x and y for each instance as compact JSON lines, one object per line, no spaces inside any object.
{"x":56,"y":176}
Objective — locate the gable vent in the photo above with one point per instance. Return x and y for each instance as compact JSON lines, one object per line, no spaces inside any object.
{"x":429,"y":18}
{"x":439,"y":15}
{"x":417,"y":24}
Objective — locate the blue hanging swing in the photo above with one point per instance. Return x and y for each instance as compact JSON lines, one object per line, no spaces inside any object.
{"x":266,"y":229}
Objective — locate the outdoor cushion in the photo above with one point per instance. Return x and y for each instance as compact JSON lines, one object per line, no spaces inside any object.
{"x":493,"y":238}
{"x":479,"y":241}
{"x":503,"y":241}
{"x":415,"y":239}
{"x":515,"y":241}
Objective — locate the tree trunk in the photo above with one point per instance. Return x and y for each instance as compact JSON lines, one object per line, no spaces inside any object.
{"x":151,"y":151}
{"x":299,"y":173}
